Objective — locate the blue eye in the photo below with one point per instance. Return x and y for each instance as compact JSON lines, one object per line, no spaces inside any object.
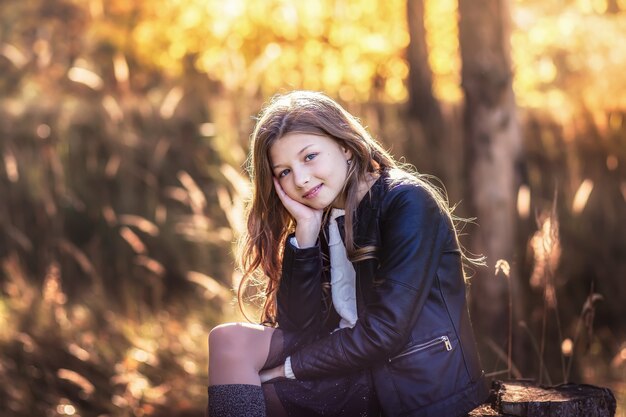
{"x":283,"y":173}
{"x":310,"y":156}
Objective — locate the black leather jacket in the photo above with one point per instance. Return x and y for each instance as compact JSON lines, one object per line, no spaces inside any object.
{"x":413,"y":331}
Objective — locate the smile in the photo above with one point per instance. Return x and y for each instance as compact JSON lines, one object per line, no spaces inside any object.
{"x":313,"y":192}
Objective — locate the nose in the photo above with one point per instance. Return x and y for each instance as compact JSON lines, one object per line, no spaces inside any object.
{"x":301,"y":177}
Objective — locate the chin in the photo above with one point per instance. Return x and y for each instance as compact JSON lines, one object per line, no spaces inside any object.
{"x":318,"y":205}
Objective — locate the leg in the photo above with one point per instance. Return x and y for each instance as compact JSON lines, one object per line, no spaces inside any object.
{"x":273,"y":405}
{"x":237,"y":352}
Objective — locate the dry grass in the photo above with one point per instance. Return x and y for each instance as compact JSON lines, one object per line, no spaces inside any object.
{"x":84,"y":359}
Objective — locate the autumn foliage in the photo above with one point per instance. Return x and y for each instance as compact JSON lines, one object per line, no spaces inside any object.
{"x":124,"y":129}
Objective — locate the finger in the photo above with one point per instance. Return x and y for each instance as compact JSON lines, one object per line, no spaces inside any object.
{"x":279,"y":189}
{"x":282,"y":195}
{"x":277,"y":184}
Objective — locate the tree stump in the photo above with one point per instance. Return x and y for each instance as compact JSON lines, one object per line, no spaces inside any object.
{"x":525,"y":399}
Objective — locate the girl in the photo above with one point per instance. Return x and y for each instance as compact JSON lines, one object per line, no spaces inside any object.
{"x":365,"y":309}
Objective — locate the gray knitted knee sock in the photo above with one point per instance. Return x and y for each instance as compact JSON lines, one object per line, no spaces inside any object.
{"x":236,"y":400}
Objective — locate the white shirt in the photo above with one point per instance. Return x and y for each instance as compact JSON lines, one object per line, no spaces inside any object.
{"x":342,"y":274}
{"x":342,"y":279}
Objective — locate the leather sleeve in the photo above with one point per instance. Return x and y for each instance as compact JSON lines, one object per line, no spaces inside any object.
{"x":299,"y":294}
{"x":412,"y":235}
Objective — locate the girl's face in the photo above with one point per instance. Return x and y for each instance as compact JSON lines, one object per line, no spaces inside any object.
{"x":311,"y":169}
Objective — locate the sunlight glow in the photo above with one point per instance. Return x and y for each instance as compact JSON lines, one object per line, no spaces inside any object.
{"x":170,"y":102}
{"x":66,"y":409}
{"x":113,"y":109}
{"x":78,"y":352}
{"x":42,"y":49}
{"x":567,"y":347}
{"x":13,"y":54}
{"x":207,"y":129}
{"x":120,"y":68}
{"x":546,"y":247}
{"x":546,"y":70}
{"x":43,"y":131}
{"x":394,"y":87}
{"x":504,"y":267}
{"x":140,"y":355}
{"x":233,"y":8}
{"x":112,"y":165}
{"x":85,"y":77}
{"x":615,"y":121}
{"x":213,"y":287}
{"x":119,"y":401}
{"x":109,"y":215}
{"x":133,"y":240}
{"x":523,"y":201}
{"x":125,"y":132}
{"x":10,"y":166}
{"x":599,"y":6}
{"x":196,"y":196}
{"x":151,"y":265}
{"x":442,"y":40}
{"x":566,"y":24}
{"x":191,"y":18}
{"x":190,"y":367}
{"x":77,"y":379}
{"x":585,"y":6}
{"x":582,"y":195}
{"x":140,"y":223}
{"x":274,"y":44}
{"x":96,"y":8}
{"x":619,"y":358}
{"x":612,"y":162}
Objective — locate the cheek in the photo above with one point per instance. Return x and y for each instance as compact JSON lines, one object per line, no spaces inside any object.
{"x":288,"y":187}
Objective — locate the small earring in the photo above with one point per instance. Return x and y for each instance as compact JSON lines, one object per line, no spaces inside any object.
{"x":349,"y":161}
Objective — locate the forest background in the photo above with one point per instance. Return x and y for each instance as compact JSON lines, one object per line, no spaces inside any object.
{"x":124,"y":128}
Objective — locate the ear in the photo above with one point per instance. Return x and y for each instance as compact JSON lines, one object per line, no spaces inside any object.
{"x":347,"y":152}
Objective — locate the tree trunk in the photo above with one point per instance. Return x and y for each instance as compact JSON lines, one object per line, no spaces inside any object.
{"x":612,"y":7}
{"x":492,"y":142}
{"x":522,"y":399}
{"x":425,"y":119}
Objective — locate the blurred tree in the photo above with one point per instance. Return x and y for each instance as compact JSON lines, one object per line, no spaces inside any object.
{"x":426,"y":122}
{"x":613,"y":7}
{"x":493,"y":145}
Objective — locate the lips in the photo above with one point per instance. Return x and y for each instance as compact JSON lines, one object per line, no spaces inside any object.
{"x":313,"y":192}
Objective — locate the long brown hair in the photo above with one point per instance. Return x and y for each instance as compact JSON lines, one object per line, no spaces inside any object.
{"x":268,"y":222}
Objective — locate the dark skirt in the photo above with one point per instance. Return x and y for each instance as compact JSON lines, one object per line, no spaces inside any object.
{"x":346,"y":395}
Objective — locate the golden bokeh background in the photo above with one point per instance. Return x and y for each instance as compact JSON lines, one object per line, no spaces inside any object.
{"x":124,"y":129}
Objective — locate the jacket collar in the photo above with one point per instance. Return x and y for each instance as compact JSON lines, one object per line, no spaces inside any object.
{"x":366,"y":219}
{"x":366,"y":213}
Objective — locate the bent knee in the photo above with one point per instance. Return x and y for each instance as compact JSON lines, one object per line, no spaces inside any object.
{"x":234,"y":339}
{"x":232,"y":336}
{"x":223,"y":342}
{"x":223,"y":335}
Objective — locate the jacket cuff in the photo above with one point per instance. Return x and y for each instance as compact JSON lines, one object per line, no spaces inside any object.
{"x":293,"y":252}
{"x":288,"y":371}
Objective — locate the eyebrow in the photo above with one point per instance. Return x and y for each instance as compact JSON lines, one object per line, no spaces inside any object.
{"x":301,"y":150}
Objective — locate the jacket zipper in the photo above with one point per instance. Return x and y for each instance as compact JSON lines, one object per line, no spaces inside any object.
{"x":426,"y":345}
